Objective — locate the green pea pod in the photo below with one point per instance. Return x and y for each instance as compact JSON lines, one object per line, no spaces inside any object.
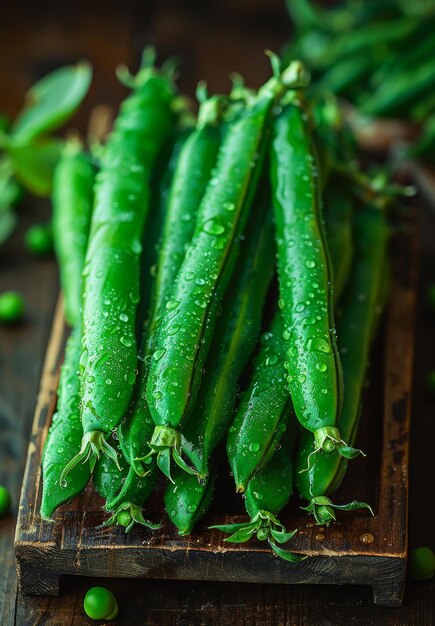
{"x":112,"y":269}
{"x":395,"y":95}
{"x":186,"y":327}
{"x":135,"y":430}
{"x":64,"y":437}
{"x":338,"y":209}
{"x":108,"y":476}
{"x":194,"y":163}
{"x":262,"y":415}
{"x":187,"y":501}
{"x":71,"y":218}
{"x":359,"y":314}
{"x":126,"y":506}
{"x":191,"y":176}
{"x":160,"y":185}
{"x":72,"y":210}
{"x":419,"y":48}
{"x":345,"y":74}
{"x":234,"y":339}
{"x":305,"y":275}
{"x":310,"y":17}
{"x":425,"y":147}
{"x":268,"y":492}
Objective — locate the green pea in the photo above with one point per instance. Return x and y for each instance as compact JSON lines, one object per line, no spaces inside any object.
{"x":422,"y":563}
{"x":12,"y":306}
{"x":100,"y":603}
{"x":431,"y":296}
{"x":5,"y":501}
{"x":39,"y":239}
{"x":124,"y":518}
{"x":430,"y":381}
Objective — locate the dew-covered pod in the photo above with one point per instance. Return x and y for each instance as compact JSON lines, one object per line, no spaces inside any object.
{"x":72,"y":209}
{"x":260,"y":418}
{"x":195,"y":158}
{"x":318,"y":476}
{"x":262,"y":414}
{"x":127,"y":504}
{"x":314,"y":374}
{"x":236,"y":333}
{"x":72,"y":201}
{"x":64,"y":437}
{"x":112,"y":267}
{"x":267,"y":493}
{"x":186,"y":328}
{"x":187,"y":500}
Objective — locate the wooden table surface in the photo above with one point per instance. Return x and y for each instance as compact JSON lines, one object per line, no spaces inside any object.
{"x":212,"y":38}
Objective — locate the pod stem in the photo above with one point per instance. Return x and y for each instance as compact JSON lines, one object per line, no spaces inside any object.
{"x":327,"y":439}
{"x":322,"y":508}
{"x":168,"y":443}
{"x":93,"y":445}
{"x":266,"y":527}
{"x":146,"y":70}
{"x":129,"y":514}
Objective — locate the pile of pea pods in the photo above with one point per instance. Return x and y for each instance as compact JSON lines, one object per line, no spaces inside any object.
{"x":378,"y":55}
{"x":223,"y":276}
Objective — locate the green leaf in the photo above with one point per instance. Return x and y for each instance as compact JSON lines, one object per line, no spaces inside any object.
{"x":10,"y":191}
{"x":287,"y":555}
{"x":282,"y":536}
{"x":34,"y":164}
{"x":353,"y":506}
{"x":348,"y":452}
{"x":164,"y":462}
{"x":4,"y":122}
{"x":242,"y":535}
{"x":138,"y":518}
{"x":52,"y":101}
{"x":182,"y":463}
{"x":8,"y":222}
{"x":231,"y":528}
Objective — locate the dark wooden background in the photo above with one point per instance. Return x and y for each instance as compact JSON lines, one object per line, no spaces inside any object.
{"x":212,"y":38}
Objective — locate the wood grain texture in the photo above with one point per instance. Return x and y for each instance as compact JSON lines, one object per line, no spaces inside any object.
{"x":356,"y":550}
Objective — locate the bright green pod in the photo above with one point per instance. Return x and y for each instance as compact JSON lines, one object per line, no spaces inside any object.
{"x":72,"y":201}
{"x":135,"y":430}
{"x":123,"y":490}
{"x":234,"y":339}
{"x":425,"y":147}
{"x":263,"y":411}
{"x":64,"y":437}
{"x":107,"y":476}
{"x":112,"y":268}
{"x":305,"y":278}
{"x":126,"y":506}
{"x":187,"y":500}
{"x":194,"y":162}
{"x":191,"y":176}
{"x":261,"y":416}
{"x":72,"y":209}
{"x":319,"y":476}
{"x":267,"y":493}
{"x":394,"y":96}
{"x":338,"y":210}
{"x":187,"y":325}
